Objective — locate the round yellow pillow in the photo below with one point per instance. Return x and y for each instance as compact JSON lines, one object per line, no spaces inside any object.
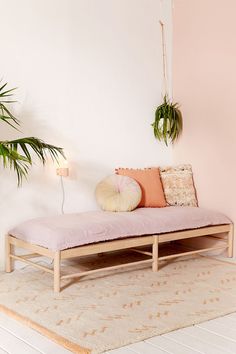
{"x":118,"y":193}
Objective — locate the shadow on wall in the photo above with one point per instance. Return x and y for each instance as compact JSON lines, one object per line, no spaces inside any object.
{"x":81,"y":183}
{"x":41,"y":192}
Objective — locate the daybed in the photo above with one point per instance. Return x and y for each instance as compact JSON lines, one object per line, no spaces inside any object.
{"x":73,"y":235}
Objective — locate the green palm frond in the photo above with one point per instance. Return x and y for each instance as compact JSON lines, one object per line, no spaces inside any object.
{"x":5,"y":115}
{"x":17,"y":154}
{"x":37,"y":145}
{"x":13,"y":159}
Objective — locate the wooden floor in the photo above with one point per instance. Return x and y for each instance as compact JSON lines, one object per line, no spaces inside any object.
{"x":217,"y":336}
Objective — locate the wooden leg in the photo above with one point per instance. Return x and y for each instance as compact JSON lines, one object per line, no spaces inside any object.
{"x":9,"y":250}
{"x":155,"y":254}
{"x":56,"y":270}
{"x":230,"y":241}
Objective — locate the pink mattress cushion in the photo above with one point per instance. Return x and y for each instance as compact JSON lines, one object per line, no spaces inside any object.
{"x":71,"y":230}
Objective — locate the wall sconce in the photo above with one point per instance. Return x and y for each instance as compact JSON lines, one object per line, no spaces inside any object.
{"x":63,"y":169}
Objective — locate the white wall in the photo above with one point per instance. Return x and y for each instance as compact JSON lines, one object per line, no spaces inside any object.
{"x":89,"y":78}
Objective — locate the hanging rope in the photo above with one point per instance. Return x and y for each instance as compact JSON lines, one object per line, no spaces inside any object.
{"x":164,"y":61}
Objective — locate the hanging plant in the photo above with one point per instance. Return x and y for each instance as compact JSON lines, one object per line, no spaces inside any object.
{"x":168,"y":123}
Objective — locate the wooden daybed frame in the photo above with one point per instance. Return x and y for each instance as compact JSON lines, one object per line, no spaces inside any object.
{"x":108,"y":246}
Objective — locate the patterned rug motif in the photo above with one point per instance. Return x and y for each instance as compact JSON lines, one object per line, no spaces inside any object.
{"x":111,"y":310}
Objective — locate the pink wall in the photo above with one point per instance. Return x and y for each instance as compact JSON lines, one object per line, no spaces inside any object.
{"x":204,"y":82}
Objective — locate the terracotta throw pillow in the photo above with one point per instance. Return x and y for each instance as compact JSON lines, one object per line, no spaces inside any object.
{"x":150,"y":183}
{"x":178,"y":185}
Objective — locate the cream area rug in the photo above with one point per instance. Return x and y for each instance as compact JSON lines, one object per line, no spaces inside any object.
{"x":111,"y":310}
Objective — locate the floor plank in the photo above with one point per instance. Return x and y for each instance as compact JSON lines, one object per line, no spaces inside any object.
{"x":228,"y":321}
{"x":170,"y":346}
{"x":3,"y":351}
{"x":192,"y":343}
{"x":29,"y":336}
{"x":208,"y":337}
{"x":219,"y":329}
{"x":144,"y":347}
{"x":13,"y":345}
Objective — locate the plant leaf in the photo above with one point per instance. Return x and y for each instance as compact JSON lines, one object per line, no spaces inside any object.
{"x":168,"y":124}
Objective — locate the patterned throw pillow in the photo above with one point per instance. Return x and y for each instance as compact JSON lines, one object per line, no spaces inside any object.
{"x":178,"y":185}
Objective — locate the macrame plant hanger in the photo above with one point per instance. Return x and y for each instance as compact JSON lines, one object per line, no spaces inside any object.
{"x":165,"y":88}
{"x":167,"y":125}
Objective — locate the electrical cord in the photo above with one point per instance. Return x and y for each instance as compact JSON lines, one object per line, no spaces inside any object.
{"x":63,"y":195}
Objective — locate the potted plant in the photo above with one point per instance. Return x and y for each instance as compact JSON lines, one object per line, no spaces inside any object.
{"x":168,"y":123}
{"x":16,"y":154}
